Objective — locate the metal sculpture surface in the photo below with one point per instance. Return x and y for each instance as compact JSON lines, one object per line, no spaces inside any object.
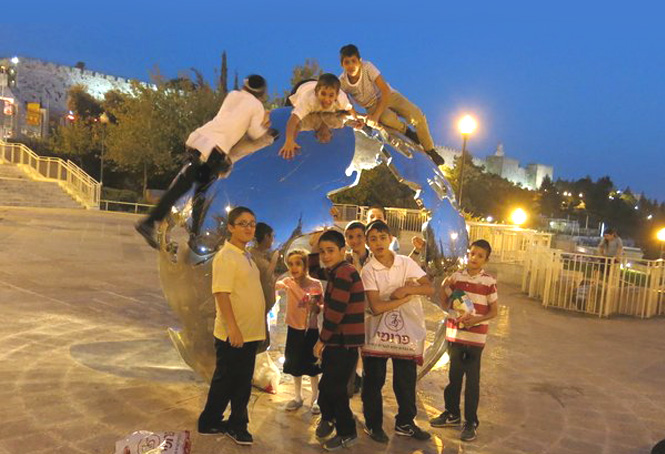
{"x":292,"y":197}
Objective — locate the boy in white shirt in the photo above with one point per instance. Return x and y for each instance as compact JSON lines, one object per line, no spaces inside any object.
{"x":364,"y":83}
{"x":386,"y":279}
{"x":241,"y":127}
{"x":317,"y":106}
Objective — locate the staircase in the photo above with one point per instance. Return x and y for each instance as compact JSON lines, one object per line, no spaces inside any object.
{"x":44,"y":181}
{"x":17,"y":189}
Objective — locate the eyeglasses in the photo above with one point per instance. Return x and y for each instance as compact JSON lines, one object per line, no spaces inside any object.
{"x":245,"y":224}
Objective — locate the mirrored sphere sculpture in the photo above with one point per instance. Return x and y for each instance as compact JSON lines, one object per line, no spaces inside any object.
{"x":293,"y":197}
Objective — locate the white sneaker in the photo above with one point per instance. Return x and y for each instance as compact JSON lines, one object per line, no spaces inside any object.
{"x":316,"y":410}
{"x":293,"y":405}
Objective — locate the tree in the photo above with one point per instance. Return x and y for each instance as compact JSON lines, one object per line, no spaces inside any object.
{"x":549,"y":198}
{"x":153,"y":123}
{"x":224,"y":75}
{"x":309,"y":70}
{"x":80,"y":136}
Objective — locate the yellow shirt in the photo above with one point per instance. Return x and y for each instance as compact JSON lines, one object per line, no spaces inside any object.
{"x":234,"y":272}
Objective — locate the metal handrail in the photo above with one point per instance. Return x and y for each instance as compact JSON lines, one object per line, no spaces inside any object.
{"x":134,"y":207}
{"x":85,"y":189}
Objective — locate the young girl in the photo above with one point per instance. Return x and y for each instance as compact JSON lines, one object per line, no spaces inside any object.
{"x":304,"y":302}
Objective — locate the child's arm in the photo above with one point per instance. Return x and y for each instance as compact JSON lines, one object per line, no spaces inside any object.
{"x":378,"y":306}
{"x":446,"y":291}
{"x":224,"y":305}
{"x":373,"y":118}
{"x":470,"y":320}
{"x":424,"y":287}
{"x":288,"y":150}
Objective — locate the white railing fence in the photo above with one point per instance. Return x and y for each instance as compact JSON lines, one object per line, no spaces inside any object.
{"x":509,"y":243}
{"x":595,"y":285}
{"x":401,"y":219}
{"x":85,"y":189}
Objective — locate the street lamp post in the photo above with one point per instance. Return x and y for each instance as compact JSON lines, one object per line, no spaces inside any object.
{"x":466,"y":126}
{"x":104,"y":120}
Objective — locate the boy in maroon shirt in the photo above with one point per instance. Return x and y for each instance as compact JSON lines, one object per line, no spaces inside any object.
{"x":343,"y":331}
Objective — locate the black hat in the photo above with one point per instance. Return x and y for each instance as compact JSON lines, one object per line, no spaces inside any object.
{"x":256,"y":85}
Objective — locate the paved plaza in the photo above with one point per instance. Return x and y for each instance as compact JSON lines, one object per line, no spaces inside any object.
{"x":85,"y":360}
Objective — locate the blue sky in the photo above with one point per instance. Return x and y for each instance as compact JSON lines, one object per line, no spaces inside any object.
{"x":577,"y":85}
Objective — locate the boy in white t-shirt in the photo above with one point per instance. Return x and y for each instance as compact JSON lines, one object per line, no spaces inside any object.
{"x":317,"y":106}
{"x":241,"y":127}
{"x":364,"y":83}
{"x":390,"y":280}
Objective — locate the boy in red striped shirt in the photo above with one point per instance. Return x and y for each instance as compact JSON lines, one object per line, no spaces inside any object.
{"x":342,"y":333}
{"x":466,"y":338}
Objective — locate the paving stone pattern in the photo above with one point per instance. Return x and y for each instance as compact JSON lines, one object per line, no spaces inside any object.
{"x":85,"y":360}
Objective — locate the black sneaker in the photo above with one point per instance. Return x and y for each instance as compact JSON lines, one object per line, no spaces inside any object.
{"x":219,"y":429}
{"x":240,"y":436}
{"x":413,"y":431}
{"x":339,"y":441}
{"x":411,"y":135}
{"x":147,"y":230}
{"x":469,"y":431}
{"x":324,"y":429}
{"x":435,"y":157}
{"x":445,"y":419}
{"x":378,"y":435}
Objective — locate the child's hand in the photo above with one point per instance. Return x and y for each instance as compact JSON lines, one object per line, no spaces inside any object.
{"x":288,"y":151}
{"x":418,"y":243}
{"x":469,"y":319}
{"x":235,"y":337}
{"x":318,"y":349}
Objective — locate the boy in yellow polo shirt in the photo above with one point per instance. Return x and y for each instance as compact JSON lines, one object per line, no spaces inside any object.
{"x":239,"y":329}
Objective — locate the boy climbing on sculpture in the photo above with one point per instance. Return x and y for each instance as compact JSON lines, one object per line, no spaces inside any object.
{"x":363,"y":82}
{"x":241,"y":127}
{"x":318,"y":105}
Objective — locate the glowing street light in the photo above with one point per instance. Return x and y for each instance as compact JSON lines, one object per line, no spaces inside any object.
{"x":518,"y":216}
{"x":661,"y":237}
{"x":467,"y":125}
{"x":14,"y":60}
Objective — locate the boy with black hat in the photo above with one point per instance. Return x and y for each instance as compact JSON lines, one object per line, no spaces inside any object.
{"x":241,"y":127}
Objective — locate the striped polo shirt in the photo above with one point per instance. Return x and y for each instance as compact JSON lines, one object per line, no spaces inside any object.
{"x":481,"y":289}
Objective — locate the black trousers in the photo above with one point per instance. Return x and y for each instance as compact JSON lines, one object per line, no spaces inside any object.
{"x":464,"y":360}
{"x":196,"y":174}
{"x":231,"y":382}
{"x":337,"y":363}
{"x":404,"y":387}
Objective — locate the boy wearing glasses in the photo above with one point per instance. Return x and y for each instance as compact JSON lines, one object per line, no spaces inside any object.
{"x":239,"y":329}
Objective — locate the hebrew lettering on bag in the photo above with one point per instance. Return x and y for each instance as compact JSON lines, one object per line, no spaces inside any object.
{"x":401,"y":339}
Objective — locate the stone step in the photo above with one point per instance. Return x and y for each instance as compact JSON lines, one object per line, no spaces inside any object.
{"x":17,"y":189}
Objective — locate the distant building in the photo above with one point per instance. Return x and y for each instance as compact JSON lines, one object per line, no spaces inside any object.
{"x":34,"y":92}
{"x":530,"y":177}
